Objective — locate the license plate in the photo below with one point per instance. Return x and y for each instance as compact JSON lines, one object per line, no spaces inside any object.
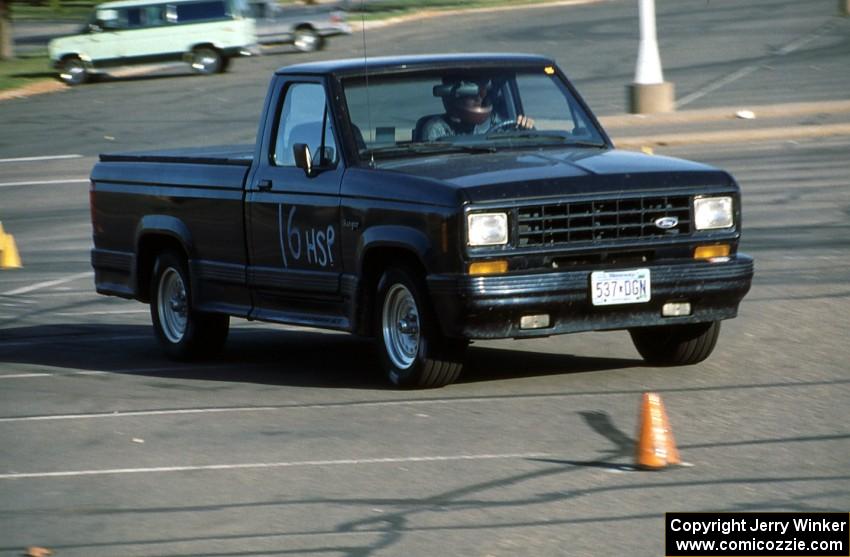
{"x":619,"y":287}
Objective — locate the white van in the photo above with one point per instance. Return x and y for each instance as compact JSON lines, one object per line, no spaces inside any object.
{"x":204,"y":33}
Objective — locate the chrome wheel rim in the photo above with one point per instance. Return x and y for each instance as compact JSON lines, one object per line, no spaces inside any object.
{"x":73,"y":72}
{"x":306,"y":41}
{"x":172,"y":306}
{"x":401,"y":327}
{"x":204,"y":61}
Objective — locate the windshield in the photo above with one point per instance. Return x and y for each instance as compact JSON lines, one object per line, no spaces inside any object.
{"x":471,"y":111}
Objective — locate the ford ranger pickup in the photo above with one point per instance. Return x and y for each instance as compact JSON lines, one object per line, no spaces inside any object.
{"x":424,"y":201}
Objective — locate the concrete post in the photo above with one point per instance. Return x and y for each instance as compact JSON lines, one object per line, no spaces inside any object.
{"x":649,"y":92}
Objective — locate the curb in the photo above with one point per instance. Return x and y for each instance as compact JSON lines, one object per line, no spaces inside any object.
{"x":37,"y":88}
{"x":428,"y":14}
{"x":708,"y":138}
{"x":55,"y":86}
{"x":704,"y":115}
{"x":623,"y":127}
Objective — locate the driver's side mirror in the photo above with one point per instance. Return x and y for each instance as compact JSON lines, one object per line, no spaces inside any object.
{"x":303,"y":159}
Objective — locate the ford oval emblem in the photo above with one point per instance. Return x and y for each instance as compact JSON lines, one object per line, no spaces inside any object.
{"x":666,"y":223}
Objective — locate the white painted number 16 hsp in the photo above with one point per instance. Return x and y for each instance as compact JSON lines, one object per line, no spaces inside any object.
{"x":318,"y":243}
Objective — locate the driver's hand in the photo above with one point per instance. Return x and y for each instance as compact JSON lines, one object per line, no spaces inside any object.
{"x":524,"y":122}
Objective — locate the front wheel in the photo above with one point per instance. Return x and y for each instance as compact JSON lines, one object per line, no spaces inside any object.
{"x":207,"y":61}
{"x":676,"y":345}
{"x":307,"y":40}
{"x":413,"y":351}
{"x":183,"y":332}
{"x":73,"y":71}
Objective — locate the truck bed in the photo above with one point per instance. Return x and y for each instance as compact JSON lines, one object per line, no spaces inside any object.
{"x":237,"y":155}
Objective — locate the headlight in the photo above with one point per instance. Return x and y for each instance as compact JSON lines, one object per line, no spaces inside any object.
{"x":713,"y":212}
{"x":487,"y":229}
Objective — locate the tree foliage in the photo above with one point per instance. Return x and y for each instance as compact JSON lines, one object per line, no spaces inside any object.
{"x":7,"y":50}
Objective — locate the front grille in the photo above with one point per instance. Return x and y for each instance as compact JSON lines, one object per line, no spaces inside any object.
{"x":600,"y":221}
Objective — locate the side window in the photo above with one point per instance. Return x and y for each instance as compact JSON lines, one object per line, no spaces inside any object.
{"x":111,"y":19}
{"x":154,"y":15}
{"x":134,"y":17}
{"x":201,"y":11}
{"x":304,"y":118}
{"x":550,"y":112}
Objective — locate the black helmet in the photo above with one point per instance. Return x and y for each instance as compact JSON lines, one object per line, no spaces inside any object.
{"x":465,"y":100}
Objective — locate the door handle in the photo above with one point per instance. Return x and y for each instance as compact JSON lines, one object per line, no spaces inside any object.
{"x":264,"y":185}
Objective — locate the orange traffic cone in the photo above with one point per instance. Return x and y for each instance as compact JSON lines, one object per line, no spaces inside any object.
{"x":9,"y":256}
{"x":656,"y":448}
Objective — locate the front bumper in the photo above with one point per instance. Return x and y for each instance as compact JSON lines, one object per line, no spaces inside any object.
{"x":491,"y":307}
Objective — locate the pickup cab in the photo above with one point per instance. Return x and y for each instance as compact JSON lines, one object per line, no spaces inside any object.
{"x":307,"y":27}
{"x":425,"y":201}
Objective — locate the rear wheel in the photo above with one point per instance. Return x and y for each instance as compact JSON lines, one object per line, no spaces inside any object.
{"x":73,"y":71}
{"x":676,"y":345}
{"x":182,"y":331}
{"x":207,"y":60}
{"x":307,"y":40}
{"x":413,"y":351}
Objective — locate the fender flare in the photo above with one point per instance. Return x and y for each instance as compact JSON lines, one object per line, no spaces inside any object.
{"x":397,"y":237}
{"x":164,"y":225}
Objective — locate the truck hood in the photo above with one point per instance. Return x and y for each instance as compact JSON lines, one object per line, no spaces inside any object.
{"x":507,"y":175}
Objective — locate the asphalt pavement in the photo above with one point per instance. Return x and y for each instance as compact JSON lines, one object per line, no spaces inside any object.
{"x":291,"y":443}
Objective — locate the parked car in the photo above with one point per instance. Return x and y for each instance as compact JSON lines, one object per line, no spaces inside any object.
{"x":204,"y":33}
{"x":305,"y":26}
{"x":425,"y":201}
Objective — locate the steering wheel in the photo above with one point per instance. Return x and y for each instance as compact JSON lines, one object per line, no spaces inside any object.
{"x":507,"y":125}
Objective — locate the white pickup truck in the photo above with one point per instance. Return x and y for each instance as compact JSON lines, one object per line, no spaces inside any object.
{"x":305,"y":26}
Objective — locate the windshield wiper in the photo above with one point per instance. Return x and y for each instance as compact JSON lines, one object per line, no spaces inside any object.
{"x":426,"y":149}
{"x":546,"y":136}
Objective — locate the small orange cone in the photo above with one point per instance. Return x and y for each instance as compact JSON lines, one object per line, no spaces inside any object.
{"x":656,"y":448}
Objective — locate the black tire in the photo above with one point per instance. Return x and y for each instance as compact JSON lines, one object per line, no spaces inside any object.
{"x":676,"y":345}
{"x":207,"y":61}
{"x":183,"y":332}
{"x":73,"y":71}
{"x":422,"y":359}
{"x":307,"y":40}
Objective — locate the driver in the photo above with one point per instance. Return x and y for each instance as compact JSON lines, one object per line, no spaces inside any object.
{"x":469,"y":110}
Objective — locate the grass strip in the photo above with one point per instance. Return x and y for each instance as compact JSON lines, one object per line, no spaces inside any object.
{"x":24,"y":70}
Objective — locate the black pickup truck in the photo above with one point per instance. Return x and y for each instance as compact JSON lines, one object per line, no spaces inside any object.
{"x":425,"y":201}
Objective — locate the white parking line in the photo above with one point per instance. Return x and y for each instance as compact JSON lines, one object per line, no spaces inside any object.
{"x":104,"y":312}
{"x":45,"y":374}
{"x":46,"y":284}
{"x":118,"y":414}
{"x":52,"y":340}
{"x":44,"y":182}
{"x":267,"y":465}
{"x":44,"y":158}
{"x":793,"y":46}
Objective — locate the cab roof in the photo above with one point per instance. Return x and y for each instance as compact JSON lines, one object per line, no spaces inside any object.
{"x":384,"y":64}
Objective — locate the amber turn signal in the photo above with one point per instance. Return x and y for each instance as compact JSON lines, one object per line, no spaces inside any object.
{"x":488,"y":267}
{"x":710,"y":252}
